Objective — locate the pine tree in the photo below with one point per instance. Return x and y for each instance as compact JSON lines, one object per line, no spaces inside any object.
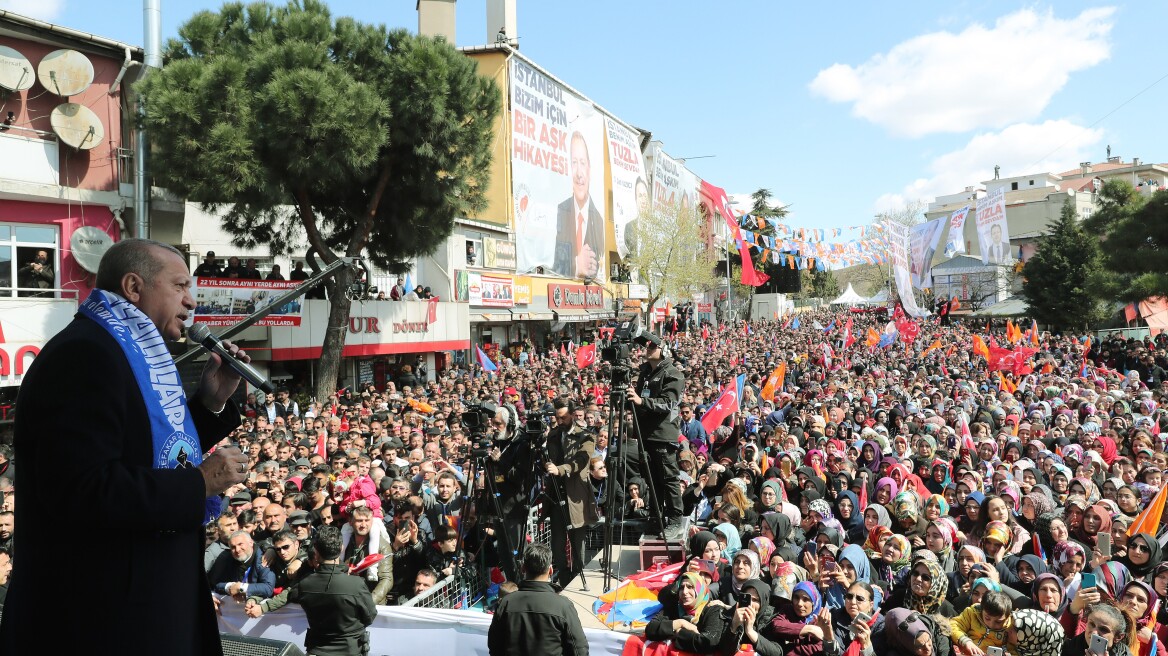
{"x":1056,"y":282}
{"x":1134,"y":229}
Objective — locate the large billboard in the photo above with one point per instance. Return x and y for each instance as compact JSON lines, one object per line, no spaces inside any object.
{"x":228,"y":301}
{"x":557,"y":169}
{"x":630,"y":184}
{"x":993,"y":233}
{"x":672,"y":182}
{"x":922,"y":244}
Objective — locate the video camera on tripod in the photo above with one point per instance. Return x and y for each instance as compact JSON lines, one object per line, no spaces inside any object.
{"x":618,"y":352}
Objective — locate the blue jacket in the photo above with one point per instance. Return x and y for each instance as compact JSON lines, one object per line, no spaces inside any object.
{"x":261,"y":581}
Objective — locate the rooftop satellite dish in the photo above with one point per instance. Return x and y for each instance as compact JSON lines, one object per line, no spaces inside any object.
{"x":77,"y":126}
{"x":16,"y":72}
{"x":65,"y":72}
{"x":89,"y":244}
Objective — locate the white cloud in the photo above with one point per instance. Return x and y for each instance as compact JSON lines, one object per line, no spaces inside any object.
{"x":1023,"y":148}
{"x":42,"y":9}
{"x":980,"y":77}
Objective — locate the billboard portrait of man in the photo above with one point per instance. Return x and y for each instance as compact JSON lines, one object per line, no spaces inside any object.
{"x":580,"y":234}
{"x":999,"y":251}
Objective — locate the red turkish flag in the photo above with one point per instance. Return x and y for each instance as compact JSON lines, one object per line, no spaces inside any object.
{"x":585,"y":356}
{"x":726,"y":405}
{"x":432,"y":310}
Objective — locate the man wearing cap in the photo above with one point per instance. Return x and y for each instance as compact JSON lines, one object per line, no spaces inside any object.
{"x":655,"y":399}
{"x":300,"y":523}
{"x":210,"y":267}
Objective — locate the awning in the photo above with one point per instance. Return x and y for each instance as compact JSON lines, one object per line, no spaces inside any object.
{"x":573,"y":315}
{"x":532,"y":316}
{"x":495,"y":316}
{"x":604,"y":315}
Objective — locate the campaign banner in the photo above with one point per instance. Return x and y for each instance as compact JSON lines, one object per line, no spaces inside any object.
{"x":673,"y":183}
{"x":498,"y":253}
{"x":898,"y":237}
{"x":955,"y":245}
{"x":993,"y":234}
{"x":923,"y":239}
{"x":630,"y":184}
{"x":557,"y":171}
{"x":490,"y":291}
{"x":227,"y":301}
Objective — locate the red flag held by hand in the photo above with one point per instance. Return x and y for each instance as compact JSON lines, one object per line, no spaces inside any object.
{"x":366,"y":563}
{"x":585,"y":356}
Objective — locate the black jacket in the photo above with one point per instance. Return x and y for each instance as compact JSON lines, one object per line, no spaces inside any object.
{"x":660,"y":389}
{"x":81,"y":417}
{"x":536,"y":620}
{"x":711,"y":627}
{"x":338,"y":607}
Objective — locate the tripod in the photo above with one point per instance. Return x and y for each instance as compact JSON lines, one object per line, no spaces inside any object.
{"x":478,"y":465}
{"x":617,"y":430}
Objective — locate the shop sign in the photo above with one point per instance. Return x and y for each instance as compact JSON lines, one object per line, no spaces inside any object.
{"x":522,"y":290}
{"x":582,"y":297}
{"x":410,"y":327}
{"x":498,"y":253}
{"x":638,"y":291}
{"x":705,"y":307}
{"x":359,"y":325}
{"x":490,"y":291}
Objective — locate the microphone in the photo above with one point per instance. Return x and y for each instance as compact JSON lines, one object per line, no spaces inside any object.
{"x":201,"y":335}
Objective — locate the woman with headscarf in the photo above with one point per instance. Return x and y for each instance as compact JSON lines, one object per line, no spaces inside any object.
{"x":1110,"y":579}
{"x":1049,"y":595}
{"x":1096,"y":520}
{"x":743,"y":625}
{"x":894,"y":558}
{"x":1069,"y":559}
{"x":703,"y":546}
{"x":808,"y":479}
{"x":886,"y":489}
{"x":1026,"y":571}
{"x":687,"y":621}
{"x":794,"y":627}
{"x":770,"y":497}
{"x":869,"y":457}
{"x":848,"y":511}
{"x":777,"y":527}
{"x":908,"y":633}
{"x":924,"y":590}
{"x":874,"y":515}
{"x":1143,"y":554}
{"x":936,"y":507}
{"x":939,"y":538}
{"x":1035,"y":634}
{"x":1159,"y":580}
{"x":1112,"y":623}
{"x":729,"y":538}
{"x":852,"y":565}
{"x":1034,"y":505}
{"x":847,"y":626}
{"x":744,"y":566}
{"x":874,"y":543}
{"x":1139,"y":599}
{"x":1128,"y":499}
{"x":971,"y":507}
{"x":940,"y":476}
{"x":909,"y":522}
{"x":821,"y":514}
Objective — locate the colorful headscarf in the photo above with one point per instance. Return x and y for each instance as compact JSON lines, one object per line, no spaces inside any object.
{"x":755,"y":567}
{"x":889,"y":483}
{"x":872,"y":544}
{"x":930,"y":602}
{"x":948,"y":531}
{"x":905,"y":506}
{"x":987,"y":583}
{"x":764,"y":546}
{"x":701,"y":594}
{"x":808,"y":588}
{"x":1065,"y":550}
{"x":905,"y":547}
{"x":883,"y":519}
{"x":823,"y":508}
{"x":1039,"y":634}
{"x":941,"y":503}
{"x":1144,"y":620}
{"x":733,"y":539}
{"x":1062,"y":590}
{"x":998,"y":532}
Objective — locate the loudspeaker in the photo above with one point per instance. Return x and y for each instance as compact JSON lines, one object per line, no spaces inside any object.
{"x":237,"y":645}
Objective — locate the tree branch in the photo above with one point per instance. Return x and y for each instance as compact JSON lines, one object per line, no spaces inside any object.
{"x":365,"y":228}
{"x":308,"y":217}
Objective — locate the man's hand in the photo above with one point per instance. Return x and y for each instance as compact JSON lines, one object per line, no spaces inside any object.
{"x":633,"y":396}
{"x":253,"y":609}
{"x":222,"y":469}
{"x":219,"y":380}
{"x":552,"y":469}
{"x":402,"y":539}
{"x":586,"y":262}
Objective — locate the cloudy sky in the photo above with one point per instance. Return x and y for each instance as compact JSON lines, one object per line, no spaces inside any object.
{"x":841,"y":111}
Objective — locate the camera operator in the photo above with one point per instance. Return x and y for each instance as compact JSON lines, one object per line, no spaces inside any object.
{"x":510,"y":473}
{"x":568,"y":462}
{"x":655,"y":400}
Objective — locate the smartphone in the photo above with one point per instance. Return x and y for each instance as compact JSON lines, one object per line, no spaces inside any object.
{"x":1104,"y":543}
{"x":785,"y":467}
{"x":829,"y":566}
{"x":862,"y":617}
{"x":744,"y":599}
{"x":1087,"y":581}
{"x":995,"y":651}
{"x":263,"y":485}
{"x":1098,"y":645}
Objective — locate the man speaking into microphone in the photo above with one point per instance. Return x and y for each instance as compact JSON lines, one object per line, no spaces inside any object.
{"x":110,"y":443}
{"x":655,"y":399}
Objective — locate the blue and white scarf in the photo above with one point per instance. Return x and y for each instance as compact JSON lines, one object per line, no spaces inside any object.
{"x":176,"y":442}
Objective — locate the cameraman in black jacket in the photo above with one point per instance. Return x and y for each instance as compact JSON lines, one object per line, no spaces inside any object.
{"x":337,"y":604}
{"x":655,"y":400}
{"x":508,"y":480}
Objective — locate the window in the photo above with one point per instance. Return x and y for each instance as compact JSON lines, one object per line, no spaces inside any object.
{"x":1013,"y":186}
{"x":29,"y":260}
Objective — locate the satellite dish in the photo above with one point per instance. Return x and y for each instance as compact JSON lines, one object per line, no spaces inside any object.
{"x":65,"y":72}
{"x":77,"y":126}
{"x":89,"y":244}
{"x":16,"y":72}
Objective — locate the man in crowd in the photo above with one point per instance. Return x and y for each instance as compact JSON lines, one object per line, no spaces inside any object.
{"x":655,"y":399}
{"x":228,"y":524}
{"x":338,"y":605}
{"x":209,"y":267}
{"x":535,"y":619}
{"x":240,"y":572}
{"x":570,"y":493}
{"x":363,"y":537}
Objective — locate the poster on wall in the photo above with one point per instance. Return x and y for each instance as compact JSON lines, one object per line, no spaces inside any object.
{"x":557,"y":170}
{"x":498,"y":253}
{"x":227,"y":301}
{"x":955,"y":245}
{"x":992,"y":232}
{"x":898,"y":253}
{"x":672,"y":183}
{"x":490,"y":291}
{"x":630,"y":185}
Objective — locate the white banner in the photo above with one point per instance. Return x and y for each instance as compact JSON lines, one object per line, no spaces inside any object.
{"x":993,"y":234}
{"x":898,"y":253}
{"x":490,"y":291}
{"x":955,"y":245}
{"x":923,"y":239}
{"x":557,"y":168}
{"x":630,"y":186}
{"x":672,"y":182}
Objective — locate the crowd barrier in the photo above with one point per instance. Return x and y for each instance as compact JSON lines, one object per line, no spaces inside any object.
{"x":400,"y":630}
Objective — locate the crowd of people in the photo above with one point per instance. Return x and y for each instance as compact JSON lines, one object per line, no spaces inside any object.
{"x":892,"y":499}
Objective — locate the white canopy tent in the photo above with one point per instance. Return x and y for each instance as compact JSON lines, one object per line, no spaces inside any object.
{"x":850,"y":297}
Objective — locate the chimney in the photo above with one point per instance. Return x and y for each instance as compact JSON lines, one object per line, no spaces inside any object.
{"x":501,"y":22}
{"x":436,"y":18}
{"x":1135,"y":161}
{"x":1085,"y":167}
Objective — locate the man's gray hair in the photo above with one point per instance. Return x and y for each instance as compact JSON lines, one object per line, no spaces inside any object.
{"x":243,"y":533}
{"x":131,"y":256}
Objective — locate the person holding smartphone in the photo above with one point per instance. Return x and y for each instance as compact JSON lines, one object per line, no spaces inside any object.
{"x":1108,"y":631}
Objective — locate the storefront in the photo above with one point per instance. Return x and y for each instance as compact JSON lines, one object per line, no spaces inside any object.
{"x":381,"y":338}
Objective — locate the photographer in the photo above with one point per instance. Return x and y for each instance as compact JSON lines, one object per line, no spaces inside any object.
{"x":510,"y":474}
{"x":568,"y":457}
{"x":655,"y":406}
